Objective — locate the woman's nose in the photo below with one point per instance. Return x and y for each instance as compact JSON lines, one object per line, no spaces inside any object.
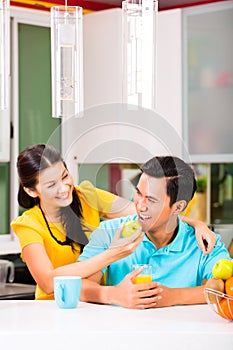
{"x":62,"y":187}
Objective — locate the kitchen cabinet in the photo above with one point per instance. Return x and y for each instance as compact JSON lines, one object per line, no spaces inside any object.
{"x":4,"y":135}
{"x":194,"y":85}
{"x":208,"y":81}
{"x":108,"y":131}
{"x":221,"y":207}
{"x":4,"y":198}
{"x":36,"y":124}
{"x":4,"y":170}
{"x":30,"y":107}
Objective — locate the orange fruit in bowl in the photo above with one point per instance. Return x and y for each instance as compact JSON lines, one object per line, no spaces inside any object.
{"x":225,"y":308}
{"x":229,"y":286}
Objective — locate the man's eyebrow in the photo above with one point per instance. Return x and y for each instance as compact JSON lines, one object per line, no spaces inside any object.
{"x":148,"y":197}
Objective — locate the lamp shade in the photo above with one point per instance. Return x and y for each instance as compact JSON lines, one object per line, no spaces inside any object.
{"x":67,"y":61}
{"x":139,"y":45}
{"x":4,"y":53}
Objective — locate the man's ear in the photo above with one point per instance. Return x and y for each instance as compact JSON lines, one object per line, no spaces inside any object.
{"x":179,"y":207}
{"x":30,"y":192}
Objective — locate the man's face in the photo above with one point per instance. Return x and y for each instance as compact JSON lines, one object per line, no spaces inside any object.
{"x":152,"y":203}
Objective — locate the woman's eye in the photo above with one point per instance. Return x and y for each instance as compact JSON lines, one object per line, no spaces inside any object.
{"x":51,"y":185}
{"x":65,"y":176}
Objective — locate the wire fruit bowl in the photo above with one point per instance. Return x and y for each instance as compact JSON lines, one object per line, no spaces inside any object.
{"x":220,"y":303}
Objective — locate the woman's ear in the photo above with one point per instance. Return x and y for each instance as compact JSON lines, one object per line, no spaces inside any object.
{"x":30,"y":192}
{"x":179,"y":207}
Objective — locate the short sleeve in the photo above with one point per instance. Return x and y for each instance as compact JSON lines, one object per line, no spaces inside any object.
{"x":96,"y":198}
{"x":27,"y":229}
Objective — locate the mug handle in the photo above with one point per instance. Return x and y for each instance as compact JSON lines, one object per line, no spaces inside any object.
{"x":11,"y":266}
{"x":61,"y":294}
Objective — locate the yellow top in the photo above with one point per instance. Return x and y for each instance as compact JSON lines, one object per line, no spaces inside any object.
{"x":31,"y":228}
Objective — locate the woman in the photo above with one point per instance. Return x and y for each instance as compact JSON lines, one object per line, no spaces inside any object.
{"x":60,"y":218}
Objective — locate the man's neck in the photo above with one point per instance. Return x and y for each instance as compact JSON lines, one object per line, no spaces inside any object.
{"x":162,"y":237}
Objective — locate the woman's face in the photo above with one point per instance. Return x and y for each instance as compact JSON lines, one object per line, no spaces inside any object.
{"x":54,"y":187}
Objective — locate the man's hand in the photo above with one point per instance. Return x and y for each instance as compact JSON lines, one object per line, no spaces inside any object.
{"x":137,"y":296}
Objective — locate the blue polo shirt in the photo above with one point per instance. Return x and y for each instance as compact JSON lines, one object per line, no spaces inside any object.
{"x":178,"y":265}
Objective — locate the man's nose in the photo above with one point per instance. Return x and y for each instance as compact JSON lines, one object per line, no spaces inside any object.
{"x":142,"y":204}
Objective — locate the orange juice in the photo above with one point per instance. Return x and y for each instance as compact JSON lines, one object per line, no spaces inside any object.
{"x":142,"y":279}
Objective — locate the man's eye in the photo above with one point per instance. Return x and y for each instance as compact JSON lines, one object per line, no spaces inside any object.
{"x":151,"y":200}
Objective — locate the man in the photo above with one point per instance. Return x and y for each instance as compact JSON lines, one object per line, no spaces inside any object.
{"x":165,"y":187}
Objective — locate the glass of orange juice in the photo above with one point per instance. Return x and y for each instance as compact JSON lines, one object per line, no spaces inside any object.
{"x":145,"y":275}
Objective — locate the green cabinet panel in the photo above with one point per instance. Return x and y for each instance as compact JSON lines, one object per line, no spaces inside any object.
{"x":4,"y":197}
{"x":98,"y":174}
{"x":36,"y":124}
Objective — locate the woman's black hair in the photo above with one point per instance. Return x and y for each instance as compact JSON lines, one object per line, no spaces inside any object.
{"x":30,"y":163}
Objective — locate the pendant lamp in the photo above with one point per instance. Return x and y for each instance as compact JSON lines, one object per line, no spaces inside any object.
{"x":67,"y":61}
{"x":139,"y":45}
{"x":4,"y":53}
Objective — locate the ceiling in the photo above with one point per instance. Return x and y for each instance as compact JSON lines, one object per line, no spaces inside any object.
{"x":98,"y":5}
{"x":163,"y":4}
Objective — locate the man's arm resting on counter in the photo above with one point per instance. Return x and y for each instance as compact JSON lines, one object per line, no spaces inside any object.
{"x":126,"y":293}
{"x":182,"y":296}
{"x":137,"y":296}
{"x":95,"y":293}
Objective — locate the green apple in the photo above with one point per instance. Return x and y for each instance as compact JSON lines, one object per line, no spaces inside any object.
{"x":223,"y":269}
{"x":130,"y":228}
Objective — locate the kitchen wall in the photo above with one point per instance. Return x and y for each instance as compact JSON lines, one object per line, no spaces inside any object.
{"x":33,"y":124}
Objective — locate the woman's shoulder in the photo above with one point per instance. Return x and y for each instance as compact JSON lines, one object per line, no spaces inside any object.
{"x":85,"y":186}
{"x":30,"y":217}
{"x":95,"y":197}
{"x":87,"y":191}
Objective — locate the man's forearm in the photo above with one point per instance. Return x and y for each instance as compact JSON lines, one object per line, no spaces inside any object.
{"x":182,"y":296}
{"x":193,"y":295}
{"x":95,"y":293}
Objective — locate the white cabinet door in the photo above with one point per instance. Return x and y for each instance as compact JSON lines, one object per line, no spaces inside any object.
{"x":112,"y":132}
{"x":208,"y":82}
{"x":5,"y":136}
{"x":194,"y":90}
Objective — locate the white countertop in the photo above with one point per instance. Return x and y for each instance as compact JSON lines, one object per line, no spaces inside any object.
{"x":29,"y":324}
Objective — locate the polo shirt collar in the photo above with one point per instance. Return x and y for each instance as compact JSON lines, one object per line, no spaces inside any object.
{"x":177,"y":243}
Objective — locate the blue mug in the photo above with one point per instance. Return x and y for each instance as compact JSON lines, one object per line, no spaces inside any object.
{"x":67,"y":291}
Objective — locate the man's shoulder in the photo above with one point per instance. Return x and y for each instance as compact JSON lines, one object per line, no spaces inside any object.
{"x":184,"y":227}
